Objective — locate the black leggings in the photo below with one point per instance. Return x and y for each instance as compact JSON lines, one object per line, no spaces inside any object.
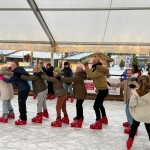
{"x":79,"y":108}
{"x":134,"y":127}
{"x":98,"y":105}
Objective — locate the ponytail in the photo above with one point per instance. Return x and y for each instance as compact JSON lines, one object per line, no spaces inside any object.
{"x":144,"y":84}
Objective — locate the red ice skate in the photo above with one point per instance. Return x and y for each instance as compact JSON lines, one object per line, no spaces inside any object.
{"x":77,"y":123}
{"x":126,"y":124}
{"x":65,"y":119}
{"x":105,"y":120}
{"x":20,"y":122}
{"x":57,"y":123}
{"x":96,"y":125}
{"x":38,"y":118}
{"x":129,"y":143}
{"x":45,"y":114}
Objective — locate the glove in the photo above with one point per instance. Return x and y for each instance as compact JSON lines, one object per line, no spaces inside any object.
{"x":1,"y":77}
{"x":85,"y":63}
{"x":108,"y":83}
{"x":17,"y":74}
{"x":132,"y":86}
{"x":58,"y":78}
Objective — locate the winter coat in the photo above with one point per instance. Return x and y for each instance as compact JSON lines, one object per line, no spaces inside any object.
{"x":127,"y":90}
{"x":21,"y":84}
{"x":98,"y":76}
{"x":79,"y":88}
{"x":67,"y":72}
{"x":49,"y":71}
{"x":6,"y":89}
{"x":38,"y":83}
{"x":140,"y":106}
{"x":57,"y":85}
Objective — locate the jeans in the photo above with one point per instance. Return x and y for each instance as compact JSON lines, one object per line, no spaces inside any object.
{"x":134,"y":127}
{"x":22,"y":97}
{"x":79,"y":109}
{"x":68,"y":88}
{"x":128,"y":114}
{"x":98,"y":105}
{"x":7,"y":106}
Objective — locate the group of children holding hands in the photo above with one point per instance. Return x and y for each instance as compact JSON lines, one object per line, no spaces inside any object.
{"x":136,"y":95}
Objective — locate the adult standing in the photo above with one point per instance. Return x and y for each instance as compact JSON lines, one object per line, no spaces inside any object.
{"x":98,"y":75}
{"x":49,"y":71}
{"x":67,"y":72}
{"x":136,"y":72}
{"x":42,"y":66}
{"x":23,"y":91}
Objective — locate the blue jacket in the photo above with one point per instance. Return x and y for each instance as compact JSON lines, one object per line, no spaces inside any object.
{"x":21,"y":84}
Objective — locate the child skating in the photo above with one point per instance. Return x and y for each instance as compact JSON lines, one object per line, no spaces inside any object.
{"x":7,"y":94}
{"x":80,"y":93}
{"x":127,"y":93}
{"x":60,"y":93}
{"x":40,"y":89}
{"x":140,"y":108}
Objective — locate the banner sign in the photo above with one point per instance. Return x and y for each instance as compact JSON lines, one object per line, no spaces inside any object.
{"x":112,"y":90}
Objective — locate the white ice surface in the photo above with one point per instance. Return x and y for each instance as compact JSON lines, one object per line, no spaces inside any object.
{"x":44,"y":137}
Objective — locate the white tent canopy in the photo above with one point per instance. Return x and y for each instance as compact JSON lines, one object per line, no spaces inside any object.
{"x":86,"y":25}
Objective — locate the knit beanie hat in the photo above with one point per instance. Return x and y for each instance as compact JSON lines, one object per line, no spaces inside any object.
{"x":57,"y":69}
{"x":66,"y":63}
{"x":80,"y":66}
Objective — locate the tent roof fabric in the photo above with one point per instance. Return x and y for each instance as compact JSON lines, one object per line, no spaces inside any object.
{"x":79,"y":22}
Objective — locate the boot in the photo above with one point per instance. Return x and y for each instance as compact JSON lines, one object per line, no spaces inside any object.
{"x":35,"y":96}
{"x":4,"y":118}
{"x":57,"y":123}
{"x":75,"y":119}
{"x":38,"y":118}
{"x":21,"y":122}
{"x":126,"y":124}
{"x":67,"y":97}
{"x":65,"y":119}
{"x":72,"y":99}
{"x":52,"y":97}
{"x":11,"y":114}
{"x":48,"y":96}
{"x":127,"y":131}
{"x":96,"y":125}
{"x":129,"y":143}
{"x":104,"y":120}
{"x":77,"y":124}
{"x":45,"y":114}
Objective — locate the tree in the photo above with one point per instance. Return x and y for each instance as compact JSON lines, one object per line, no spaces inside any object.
{"x":121,"y":64}
{"x":135,"y":60}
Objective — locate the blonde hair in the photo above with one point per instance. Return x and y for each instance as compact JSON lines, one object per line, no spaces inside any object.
{"x":144,"y":84}
{"x":39,"y":69}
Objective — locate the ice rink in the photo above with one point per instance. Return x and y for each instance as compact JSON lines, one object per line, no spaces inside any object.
{"x":44,"y":137}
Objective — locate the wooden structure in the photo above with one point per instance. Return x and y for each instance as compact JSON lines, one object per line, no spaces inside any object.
{"x":79,"y":58}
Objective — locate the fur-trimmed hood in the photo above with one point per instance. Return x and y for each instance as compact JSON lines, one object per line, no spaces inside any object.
{"x":6,"y":71}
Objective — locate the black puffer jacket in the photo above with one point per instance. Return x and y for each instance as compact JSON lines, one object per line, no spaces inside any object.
{"x":67,"y":72}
